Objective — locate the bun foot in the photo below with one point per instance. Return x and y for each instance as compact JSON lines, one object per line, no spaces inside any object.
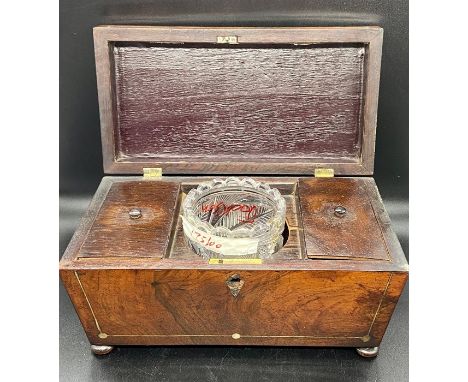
{"x":368,"y":352}
{"x":101,"y":349}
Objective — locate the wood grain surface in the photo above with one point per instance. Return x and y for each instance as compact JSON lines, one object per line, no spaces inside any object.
{"x":108,"y":237}
{"x":357,"y":234}
{"x":247,"y":102}
{"x":314,"y":231}
{"x":135,"y":283}
{"x":196,"y":307}
{"x":282,"y":101}
{"x":114,"y":234}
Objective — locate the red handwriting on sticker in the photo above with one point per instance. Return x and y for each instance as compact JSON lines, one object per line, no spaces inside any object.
{"x":207,"y":241}
{"x":220,"y":209}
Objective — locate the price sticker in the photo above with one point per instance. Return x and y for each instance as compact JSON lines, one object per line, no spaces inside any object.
{"x":222,"y":245}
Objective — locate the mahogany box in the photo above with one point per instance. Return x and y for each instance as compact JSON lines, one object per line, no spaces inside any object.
{"x":293,"y":107}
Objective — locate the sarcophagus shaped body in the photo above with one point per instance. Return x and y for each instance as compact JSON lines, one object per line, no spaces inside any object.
{"x":279,"y":105}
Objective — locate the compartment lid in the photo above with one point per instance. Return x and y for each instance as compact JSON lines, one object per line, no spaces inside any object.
{"x":195,"y":100}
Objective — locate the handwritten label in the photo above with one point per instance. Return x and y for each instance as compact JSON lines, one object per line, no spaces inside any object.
{"x":220,"y":210}
{"x":222,"y":245}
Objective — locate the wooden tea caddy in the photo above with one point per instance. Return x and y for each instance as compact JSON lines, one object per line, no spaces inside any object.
{"x":277,"y":104}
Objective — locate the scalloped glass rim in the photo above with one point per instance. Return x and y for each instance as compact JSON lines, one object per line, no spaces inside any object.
{"x":253,"y":211}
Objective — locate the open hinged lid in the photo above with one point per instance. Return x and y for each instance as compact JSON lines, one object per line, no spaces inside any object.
{"x":238,"y":100}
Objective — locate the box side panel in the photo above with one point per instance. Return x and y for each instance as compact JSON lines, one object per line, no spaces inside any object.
{"x":388,"y":303}
{"x":80,"y":303}
{"x":86,"y":222}
{"x":156,"y":307}
{"x":391,"y":239}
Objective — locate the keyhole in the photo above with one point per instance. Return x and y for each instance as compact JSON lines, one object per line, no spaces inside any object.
{"x":234,"y":279}
{"x":234,"y":283}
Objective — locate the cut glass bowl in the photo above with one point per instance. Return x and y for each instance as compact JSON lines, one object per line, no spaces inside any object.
{"x":229,"y":218}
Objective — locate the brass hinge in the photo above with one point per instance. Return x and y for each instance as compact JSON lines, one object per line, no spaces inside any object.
{"x":227,"y":40}
{"x":152,"y":172}
{"x":324,"y":173}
